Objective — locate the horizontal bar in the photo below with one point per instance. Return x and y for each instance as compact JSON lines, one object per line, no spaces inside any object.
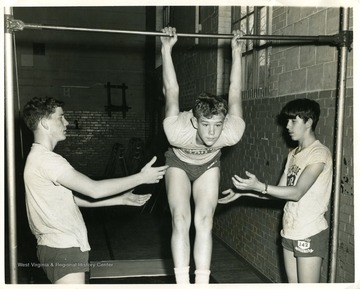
{"x":19,"y":25}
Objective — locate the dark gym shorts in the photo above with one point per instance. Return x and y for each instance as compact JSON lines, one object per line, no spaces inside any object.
{"x":58,"y":262}
{"x":192,"y":171}
{"x":316,"y":245}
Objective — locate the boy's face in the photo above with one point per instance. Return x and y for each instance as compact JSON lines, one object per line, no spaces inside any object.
{"x":297,"y":128}
{"x":209,"y":129}
{"x":57,"y":125}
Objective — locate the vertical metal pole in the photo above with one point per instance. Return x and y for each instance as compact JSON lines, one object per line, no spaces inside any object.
{"x":344,"y":18}
{"x":10,"y":147}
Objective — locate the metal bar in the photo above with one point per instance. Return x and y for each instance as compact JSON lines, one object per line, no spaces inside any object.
{"x":10,"y":147}
{"x":344,"y":16}
{"x":19,"y":25}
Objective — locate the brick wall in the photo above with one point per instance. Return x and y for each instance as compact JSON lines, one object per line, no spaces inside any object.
{"x":251,"y":227}
{"x":89,"y":147}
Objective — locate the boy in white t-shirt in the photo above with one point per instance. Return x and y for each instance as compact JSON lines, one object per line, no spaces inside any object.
{"x":306,"y":185}
{"x":52,"y":209}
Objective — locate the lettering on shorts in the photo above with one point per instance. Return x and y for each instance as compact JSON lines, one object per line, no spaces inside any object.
{"x":303,"y":246}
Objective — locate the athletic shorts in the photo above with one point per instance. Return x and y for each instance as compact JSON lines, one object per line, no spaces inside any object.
{"x":316,"y":245}
{"x":58,"y":262}
{"x":193,"y":171}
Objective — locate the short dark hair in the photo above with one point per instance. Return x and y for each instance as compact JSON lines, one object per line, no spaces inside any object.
{"x":303,"y":108}
{"x":38,"y":108}
{"x":208,"y":105}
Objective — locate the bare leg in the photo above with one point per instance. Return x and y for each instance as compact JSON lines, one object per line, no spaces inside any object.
{"x":205,"y":191}
{"x":73,"y":278}
{"x":178,"y":192}
{"x":290,"y":266}
{"x":302,"y":269}
{"x":309,"y":269}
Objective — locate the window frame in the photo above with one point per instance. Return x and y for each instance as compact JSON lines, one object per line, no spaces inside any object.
{"x":252,"y":79}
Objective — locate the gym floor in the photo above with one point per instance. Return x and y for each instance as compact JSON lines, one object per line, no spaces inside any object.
{"x":131,"y":245}
{"x":129,"y":234}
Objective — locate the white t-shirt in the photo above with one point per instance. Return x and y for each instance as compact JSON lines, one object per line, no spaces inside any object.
{"x":305,"y":217}
{"x":182,"y":137}
{"x":54,"y":217}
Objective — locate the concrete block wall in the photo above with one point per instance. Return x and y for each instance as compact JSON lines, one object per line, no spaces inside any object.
{"x":251,"y":227}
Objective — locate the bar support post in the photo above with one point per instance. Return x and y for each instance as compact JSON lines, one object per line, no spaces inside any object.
{"x":10,"y":147}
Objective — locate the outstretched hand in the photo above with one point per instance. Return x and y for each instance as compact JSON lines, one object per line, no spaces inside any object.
{"x":131,"y":199}
{"x":166,"y":40}
{"x":252,"y":183}
{"x":230,"y":196}
{"x":152,"y":174}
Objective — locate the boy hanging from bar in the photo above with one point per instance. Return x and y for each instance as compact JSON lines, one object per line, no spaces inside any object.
{"x":196,"y":138}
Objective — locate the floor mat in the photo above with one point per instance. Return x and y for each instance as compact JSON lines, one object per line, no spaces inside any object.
{"x":152,"y":271}
{"x":130,"y":268}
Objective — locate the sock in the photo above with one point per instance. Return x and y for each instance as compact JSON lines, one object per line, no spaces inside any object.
{"x":202,"y":276}
{"x":182,"y":275}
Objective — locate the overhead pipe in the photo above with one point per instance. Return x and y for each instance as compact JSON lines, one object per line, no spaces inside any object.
{"x":320,"y":39}
{"x":10,"y":146}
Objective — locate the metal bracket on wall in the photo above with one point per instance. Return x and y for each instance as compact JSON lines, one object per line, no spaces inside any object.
{"x":344,"y":39}
{"x":11,"y":25}
{"x":110,"y":107}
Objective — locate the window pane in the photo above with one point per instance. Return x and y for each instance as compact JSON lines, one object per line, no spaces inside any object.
{"x":243,"y":11}
{"x":254,"y":20}
{"x":263,"y":23}
{"x":236,"y":26}
{"x":243,"y":28}
{"x":251,"y":29}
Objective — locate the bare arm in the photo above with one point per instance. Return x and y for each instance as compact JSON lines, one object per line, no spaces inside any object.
{"x":231,"y":196}
{"x":293,"y":193}
{"x":82,"y":184}
{"x":282,"y":181}
{"x":235,"y":101}
{"x":170,"y":84}
{"x":127,"y":198}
